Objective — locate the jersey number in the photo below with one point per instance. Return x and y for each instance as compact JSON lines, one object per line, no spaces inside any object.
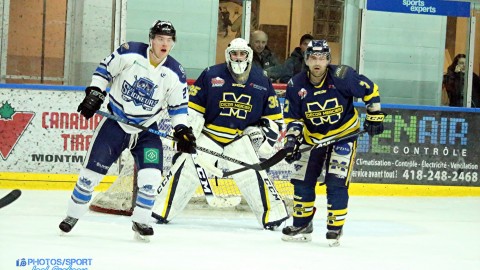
{"x":272,"y":102}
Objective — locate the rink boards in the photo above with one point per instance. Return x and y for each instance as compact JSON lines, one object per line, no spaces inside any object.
{"x":425,"y":150}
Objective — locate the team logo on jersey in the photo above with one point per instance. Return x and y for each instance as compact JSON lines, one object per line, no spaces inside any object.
{"x":183,"y":71}
{"x":238,"y":85}
{"x":140,"y":93}
{"x":151,"y":155}
{"x":302,"y":93}
{"x":232,"y":105}
{"x":259,"y":87}
{"x":217,"y":82}
{"x":343,"y":149}
{"x":329,"y":112}
{"x":12,"y":125}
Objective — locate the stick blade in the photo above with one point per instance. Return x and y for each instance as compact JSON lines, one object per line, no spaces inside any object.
{"x":223,"y":202}
{"x":10,"y":197}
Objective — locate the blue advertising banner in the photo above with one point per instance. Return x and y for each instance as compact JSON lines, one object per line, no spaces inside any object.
{"x":425,"y":7}
{"x":421,"y":145}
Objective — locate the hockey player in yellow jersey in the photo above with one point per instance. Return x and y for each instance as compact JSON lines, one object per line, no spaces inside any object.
{"x":319,"y":107}
{"x":234,"y":110}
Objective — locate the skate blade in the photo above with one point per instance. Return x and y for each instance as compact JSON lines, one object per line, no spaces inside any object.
{"x":297,"y":238}
{"x":141,"y":238}
{"x":333,"y":242}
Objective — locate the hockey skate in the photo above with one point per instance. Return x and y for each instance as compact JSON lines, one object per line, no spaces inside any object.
{"x":142,"y":231}
{"x":333,"y":238}
{"x":298,"y":234}
{"x":67,"y":224}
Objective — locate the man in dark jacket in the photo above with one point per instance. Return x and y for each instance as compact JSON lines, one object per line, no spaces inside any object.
{"x":263,"y":57}
{"x":293,"y":65}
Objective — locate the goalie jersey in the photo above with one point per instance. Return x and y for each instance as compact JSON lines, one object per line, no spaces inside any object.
{"x":326,"y":111}
{"x":142,"y":91}
{"x":228,"y":107}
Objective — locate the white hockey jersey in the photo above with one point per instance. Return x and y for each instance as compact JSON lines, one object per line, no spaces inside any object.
{"x":139,"y":91}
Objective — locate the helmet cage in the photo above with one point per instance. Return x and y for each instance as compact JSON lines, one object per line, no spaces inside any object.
{"x":239,"y":66}
{"x":165,"y":28}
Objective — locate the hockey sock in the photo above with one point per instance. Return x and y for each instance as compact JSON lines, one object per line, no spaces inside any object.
{"x":82,"y":193}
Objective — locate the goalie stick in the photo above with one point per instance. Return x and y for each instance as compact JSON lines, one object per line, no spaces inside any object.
{"x":10,"y":197}
{"x":257,"y":166}
{"x":210,"y":197}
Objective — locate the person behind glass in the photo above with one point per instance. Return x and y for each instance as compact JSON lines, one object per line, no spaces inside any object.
{"x":294,"y":63}
{"x":145,"y":80}
{"x":318,"y":108}
{"x":454,"y":80}
{"x":263,"y":56}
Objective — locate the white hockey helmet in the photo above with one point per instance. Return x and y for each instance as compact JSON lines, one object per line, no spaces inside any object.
{"x":237,"y":66}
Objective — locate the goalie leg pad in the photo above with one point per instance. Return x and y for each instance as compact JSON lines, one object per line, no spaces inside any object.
{"x":177,"y":188}
{"x":257,"y":189}
{"x":147,"y":185}
{"x":82,"y":193}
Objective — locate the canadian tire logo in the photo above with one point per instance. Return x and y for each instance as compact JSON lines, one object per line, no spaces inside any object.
{"x":12,"y":126}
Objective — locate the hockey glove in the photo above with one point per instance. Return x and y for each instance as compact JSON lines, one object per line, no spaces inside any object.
{"x":374,"y":122}
{"x":92,"y":102}
{"x":292,"y":145}
{"x":186,"y":140}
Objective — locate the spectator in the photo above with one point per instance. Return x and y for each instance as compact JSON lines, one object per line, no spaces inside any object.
{"x":263,"y":57}
{"x":293,"y":65}
{"x":453,"y":82}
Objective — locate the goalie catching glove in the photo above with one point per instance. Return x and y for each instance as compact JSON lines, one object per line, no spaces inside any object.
{"x":186,"y":140}
{"x":263,"y":136}
{"x":374,"y":122}
{"x":92,"y":101}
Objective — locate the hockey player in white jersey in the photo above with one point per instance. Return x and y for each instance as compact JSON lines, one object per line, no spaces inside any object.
{"x":234,"y":110}
{"x":144,"y":81}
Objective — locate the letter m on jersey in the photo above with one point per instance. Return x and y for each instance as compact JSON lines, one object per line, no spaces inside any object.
{"x":232,"y":105}
{"x":328,"y":112}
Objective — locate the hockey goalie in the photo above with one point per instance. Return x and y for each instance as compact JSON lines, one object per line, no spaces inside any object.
{"x":234,"y":111}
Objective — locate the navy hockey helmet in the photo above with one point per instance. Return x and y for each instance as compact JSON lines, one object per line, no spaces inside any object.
{"x":160,"y":27}
{"x":318,"y":46}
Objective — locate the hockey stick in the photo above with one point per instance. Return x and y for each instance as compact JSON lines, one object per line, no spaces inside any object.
{"x":257,"y":166}
{"x":10,"y":197}
{"x":280,"y":155}
{"x":208,"y":191}
{"x":328,"y":142}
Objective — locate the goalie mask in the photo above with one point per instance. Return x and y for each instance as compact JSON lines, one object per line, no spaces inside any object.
{"x":239,"y":56}
{"x":318,"y":47}
{"x":165,"y":28}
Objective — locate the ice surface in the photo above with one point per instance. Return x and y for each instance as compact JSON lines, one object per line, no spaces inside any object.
{"x":380,"y":233}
